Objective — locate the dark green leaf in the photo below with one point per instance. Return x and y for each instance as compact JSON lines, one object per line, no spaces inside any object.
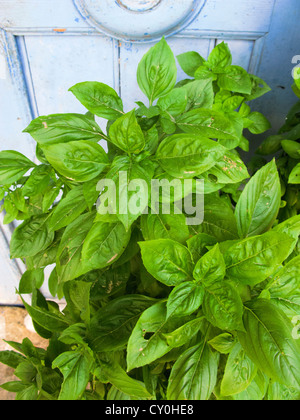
{"x":13,"y":165}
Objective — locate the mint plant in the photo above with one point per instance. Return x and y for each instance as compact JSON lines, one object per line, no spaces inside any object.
{"x":157,"y":307}
{"x":285,"y":146}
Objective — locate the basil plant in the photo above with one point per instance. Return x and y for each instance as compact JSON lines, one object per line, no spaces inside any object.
{"x":179,"y":280}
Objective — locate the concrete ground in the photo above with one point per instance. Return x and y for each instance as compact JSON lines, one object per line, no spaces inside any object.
{"x":15,"y":325}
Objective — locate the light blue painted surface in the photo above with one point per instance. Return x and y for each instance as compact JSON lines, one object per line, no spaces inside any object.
{"x":46,"y":46}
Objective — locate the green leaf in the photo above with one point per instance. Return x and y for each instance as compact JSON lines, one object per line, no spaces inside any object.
{"x":252,"y":260}
{"x":165,"y":226}
{"x":69,"y":264}
{"x":142,"y":350}
{"x":63,"y":128}
{"x":268,"y":342}
{"x":287,"y":280}
{"x":219,"y":220}
{"x":270,"y":145}
{"x":210,"y":268}
{"x":111,"y":326}
{"x":198,"y":245}
{"x":174,"y":103}
{"x":46,"y":319}
{"x":190,"y":61}
{"x":77,"y":294}
{"x":200,"y":94}
{"x":220,"y":57}
{"x":235,"y":79}
{"x":292,"y":148}
{"x":30,"y":280}
{"x":79,"y":161}
{"x":259,"y":203}
{"x":188,"y":155}
{"x":194,"y":374}
{"x":168,"y":261}
{"x":104,"y":244}
{"x":13,"y":165}
{"x":124,"y":383}
{"x":99,"y":99}
{"x":11,"y":358}
{"x":294,"y":177}
{"x":184,"y":334}
{"x":126,"y":134}
{"x":228,"y":170}
{"x":209,"y":123}
{"x":31,"y":237}
{"x":133,"y":183}
{"x":260,"y":123}
{"x":38,"y":181}
{"x":222,"y":306}
{"x":185,"y":299}
{"x":223,"y":343}
{"x":75,"y":368}
{"x":157,"y":71}
{"x":239,"y":372}
{"x":259,"y":88}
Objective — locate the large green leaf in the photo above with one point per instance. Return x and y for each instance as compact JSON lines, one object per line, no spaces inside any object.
{"x":111,"y":326}
{"x":168,"y":261}
{"x":104,"y":244}
{"x":269,"y":343}
{"x":252,"y":260}
{"x":99,"y":99}
{"x":188,"y":155}
{"x":230,"y":169}
{"x":126,"y":134}
{"x":77,"y":160}
{"x":235,"y":79}
{"x":63,"y":128}
{"x":220,"y":57}
{"x":194,"y":374}
{"x":259,"y":203}
{"x":209,"y":123}
{"x":13,"y":165}
{"x":31,"y":237}
{"x":157,"y":71}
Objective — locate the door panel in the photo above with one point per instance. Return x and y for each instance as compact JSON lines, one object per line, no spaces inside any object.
{"x":46,"y":46}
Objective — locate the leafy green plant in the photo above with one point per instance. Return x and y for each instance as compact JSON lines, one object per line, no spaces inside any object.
{"x":156,"y":308}
{"x":286,"y":147}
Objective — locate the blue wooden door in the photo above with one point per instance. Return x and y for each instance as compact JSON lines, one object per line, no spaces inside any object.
{"x":46,"y":46}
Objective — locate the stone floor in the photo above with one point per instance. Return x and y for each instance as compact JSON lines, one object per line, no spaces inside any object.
{"x":15,"y":325}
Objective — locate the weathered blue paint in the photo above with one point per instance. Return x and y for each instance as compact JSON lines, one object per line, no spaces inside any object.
{"x":46,"y":46}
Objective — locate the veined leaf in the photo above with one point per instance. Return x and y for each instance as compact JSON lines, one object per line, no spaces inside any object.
{"x":269,"y":343}
{"x":252,"y":260}
{"x":126,"y":134}
{"x":79,"y":161}
{"x":157,"y":71}
{"x":259,"y":203}
{"x":194,"y":374}
{"x":99,"y":99}
{"x":188,"y":155}
{"x":168,"y":261}
{"x":13,"y":165}
{"x":63,"y":128}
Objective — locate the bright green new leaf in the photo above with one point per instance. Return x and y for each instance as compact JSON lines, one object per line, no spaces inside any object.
{"x":220,"y":58}
{"x":157,"y":71}
{"x":99,"y":99}
{"x":190,"y":61}
{"x":210,"y":268}
{"x":185,"y":299}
